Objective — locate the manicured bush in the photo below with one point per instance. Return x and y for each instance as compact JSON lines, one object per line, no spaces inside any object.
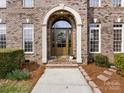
{"x":101,"y":60}
{"x":18,"y":75}
{"x":119,"y":62}
{"x":10,"y":59}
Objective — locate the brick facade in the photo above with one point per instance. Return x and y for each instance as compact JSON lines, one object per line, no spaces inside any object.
{"x":15,"y":15}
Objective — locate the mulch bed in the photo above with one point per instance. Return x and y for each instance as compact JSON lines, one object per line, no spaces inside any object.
{"x":30,"y":66}
{"x":35,"y":70}
{"x":114,"y":85}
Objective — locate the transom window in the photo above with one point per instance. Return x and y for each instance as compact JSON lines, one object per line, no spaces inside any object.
{"x":2,"y":3}
{"x":2,"y":36}
{"x":118,"y":37}
{"x":61,"y":24}
{"x":95,"y":3}
{"x":28,"y":37}
{"x":28,"y":3}
{"x":117,"y":3}
{"x":94,"y":38}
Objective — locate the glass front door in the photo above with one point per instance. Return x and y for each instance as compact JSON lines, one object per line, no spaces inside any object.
{"x":61,"y":42}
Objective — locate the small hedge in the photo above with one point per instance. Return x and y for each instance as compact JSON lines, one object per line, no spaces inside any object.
{"x":18,"y":75}
{"x":10,"y":59}
{"x":119,"y":62}
{"x":101,"y":60}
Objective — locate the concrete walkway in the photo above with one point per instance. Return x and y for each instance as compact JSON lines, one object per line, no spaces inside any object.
{"x":60,"y":80}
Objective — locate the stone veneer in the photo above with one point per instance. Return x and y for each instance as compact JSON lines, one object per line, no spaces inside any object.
{"x":15,"y":15}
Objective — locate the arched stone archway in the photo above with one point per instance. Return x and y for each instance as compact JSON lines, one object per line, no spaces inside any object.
{"x":78,"y":21}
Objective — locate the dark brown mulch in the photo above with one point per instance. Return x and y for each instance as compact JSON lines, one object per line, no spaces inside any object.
{"x":35,"y":70}
{"x":114,"y":85}
{"x":30,"y":66}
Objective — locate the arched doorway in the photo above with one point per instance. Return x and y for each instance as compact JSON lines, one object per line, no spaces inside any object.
{"x":46,"y":28}
{"x":60,"y":31}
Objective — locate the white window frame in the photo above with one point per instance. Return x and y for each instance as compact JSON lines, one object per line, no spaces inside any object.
{"x":4,"y":29}
{"x":4,"y":5}
{"x":24,"y":5}
{"x":122,"y":4}
{"x":99,"y":5}
{"x":32,"y":39}
{"x":96,"y":28}
{"x":122,"y":44}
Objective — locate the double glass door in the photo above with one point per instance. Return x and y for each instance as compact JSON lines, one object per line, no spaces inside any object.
{"x":61,"y":42}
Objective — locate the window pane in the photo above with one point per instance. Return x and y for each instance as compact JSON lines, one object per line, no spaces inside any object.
{"x":28,"y":3}
{"x":94,"y":37}
{"x":60,"y":36}
{"x":2,"y":36}
{"x":117,"y":37}
{"x":2,"y":3}
{"x":28,"y":37}
{"x":94,"y":3}
{"x":62,"y":24}
{"x":116,"y":3}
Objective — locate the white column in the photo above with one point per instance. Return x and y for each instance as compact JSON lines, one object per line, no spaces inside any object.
{"x":78,"y":45}
{"x":44,"y":43}
{"x":122,"y":38}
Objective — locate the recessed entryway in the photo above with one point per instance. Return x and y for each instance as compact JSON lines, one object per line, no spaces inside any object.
{"x":67,"y":41}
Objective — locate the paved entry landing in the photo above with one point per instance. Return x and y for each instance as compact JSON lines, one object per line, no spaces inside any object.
{"x":62,"y":80}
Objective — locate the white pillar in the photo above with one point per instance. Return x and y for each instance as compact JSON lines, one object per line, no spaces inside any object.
{"x":78,"y":45}
{"x":44,"y":43}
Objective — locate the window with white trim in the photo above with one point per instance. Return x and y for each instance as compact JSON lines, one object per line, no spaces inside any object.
{"x":28,"y":37}
{"x":118,"y":41}
{"x":2,"y":35}
{"x":95,"y":3}
{"x":95,"y":38}
{"x":118,"y":3}
{"x":2,"y":3}
{"x":28,"y":3}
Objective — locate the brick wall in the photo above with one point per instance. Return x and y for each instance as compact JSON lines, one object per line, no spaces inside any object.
{"x":15,"y":15}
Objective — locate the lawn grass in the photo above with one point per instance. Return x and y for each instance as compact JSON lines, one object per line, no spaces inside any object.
{"x":16,"y":87}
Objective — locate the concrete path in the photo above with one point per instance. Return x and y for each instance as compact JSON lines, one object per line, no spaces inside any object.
{"x":60,"y":80}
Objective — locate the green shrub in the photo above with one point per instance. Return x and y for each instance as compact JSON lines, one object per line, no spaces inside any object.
{"x":119,"y":62}
{"x":18,"y":75}
{"x":10,"y":59}
{"x":101,"y":60}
